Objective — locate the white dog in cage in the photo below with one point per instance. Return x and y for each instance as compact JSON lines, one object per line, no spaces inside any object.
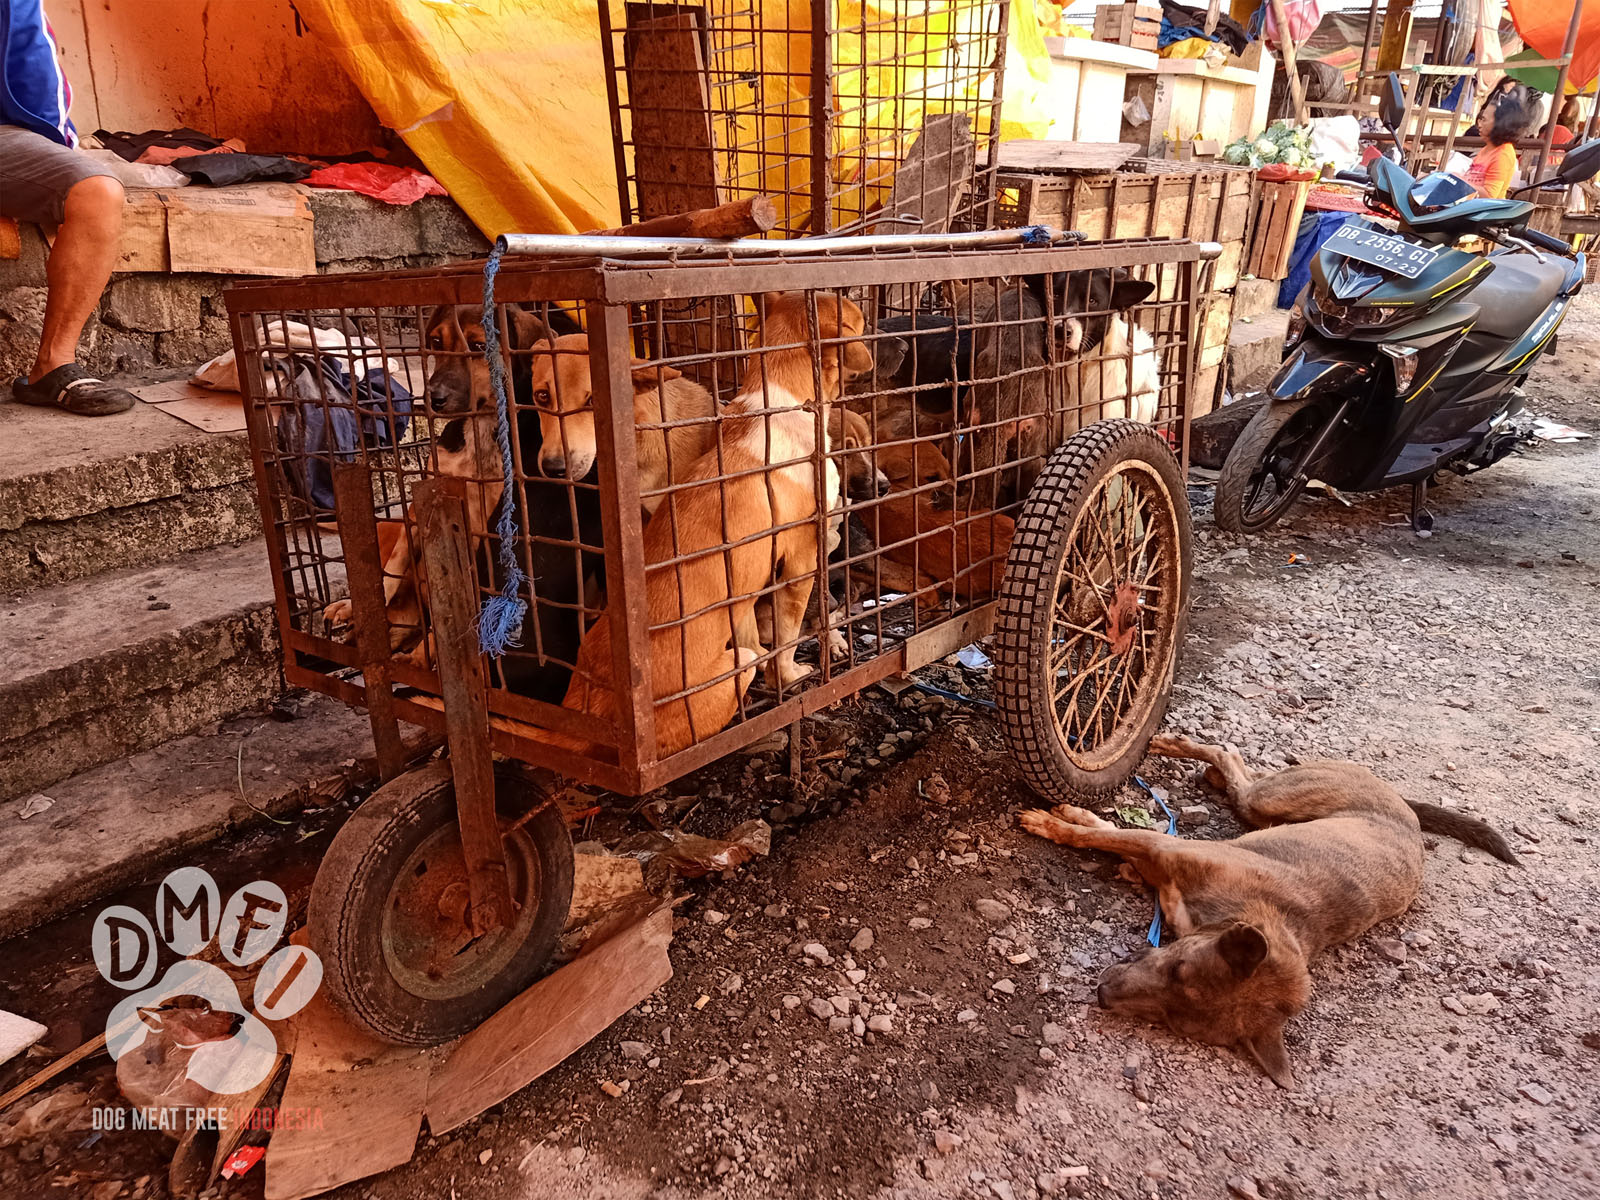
{"x":1119,"y":372}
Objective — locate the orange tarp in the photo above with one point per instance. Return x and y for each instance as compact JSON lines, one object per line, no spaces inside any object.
{"x":1543,"y":26}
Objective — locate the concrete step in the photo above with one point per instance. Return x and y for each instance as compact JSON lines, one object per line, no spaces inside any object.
{"x":108,"y":666}
{"x":128,"y":819}
{"x":79,"y":496}
{"x":1253,"y":297}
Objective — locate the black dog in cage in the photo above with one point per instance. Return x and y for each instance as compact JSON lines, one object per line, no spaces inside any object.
{"x":558,"y":523}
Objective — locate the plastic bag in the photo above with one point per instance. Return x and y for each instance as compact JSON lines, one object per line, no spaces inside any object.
{"x":1303,"y":17}
{"x":1335,"y":140}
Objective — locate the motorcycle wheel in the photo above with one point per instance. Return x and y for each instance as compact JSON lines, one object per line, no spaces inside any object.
{"x":1258,"y":484}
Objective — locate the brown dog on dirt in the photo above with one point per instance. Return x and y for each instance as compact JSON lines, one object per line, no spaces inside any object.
{"x":1336,"y":851}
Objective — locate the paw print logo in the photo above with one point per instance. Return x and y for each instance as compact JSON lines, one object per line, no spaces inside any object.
{"x":195,"y":1003}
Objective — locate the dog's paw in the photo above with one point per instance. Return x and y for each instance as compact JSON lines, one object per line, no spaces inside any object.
{"x":1039,"y":823}
{"x":786,"y":674}
{"x":1073,"y":815}
{"x":838,"y":645}
{"x":340,"y":612}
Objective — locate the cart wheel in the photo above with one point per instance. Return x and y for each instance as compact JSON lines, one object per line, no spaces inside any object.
{"x":389,"y":906}
{"x":1092,"y":610}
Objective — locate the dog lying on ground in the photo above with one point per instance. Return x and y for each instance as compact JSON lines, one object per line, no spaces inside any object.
{"x":458,"y":388}
{"x":727,"y":530}
{"x":1335,"y":851}
{"x":563,"y":391}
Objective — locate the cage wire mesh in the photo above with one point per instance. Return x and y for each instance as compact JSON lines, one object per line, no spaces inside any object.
{"x":847,"y":113}
{"x":718,"y":533}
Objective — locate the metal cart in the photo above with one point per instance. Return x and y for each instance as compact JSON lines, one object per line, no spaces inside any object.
{"x":444,"y":894}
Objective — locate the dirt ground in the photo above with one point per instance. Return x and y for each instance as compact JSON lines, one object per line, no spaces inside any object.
{"x":1453,"y":1052}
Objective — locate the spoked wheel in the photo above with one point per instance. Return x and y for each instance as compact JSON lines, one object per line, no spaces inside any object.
{"x":1092,"y":610}
{"x":390,"y":918}
{"x":1263,"y":474}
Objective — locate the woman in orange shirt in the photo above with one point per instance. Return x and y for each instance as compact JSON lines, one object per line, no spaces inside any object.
{"x":1501,"y":123}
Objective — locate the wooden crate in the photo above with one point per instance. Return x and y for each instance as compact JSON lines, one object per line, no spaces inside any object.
{"x":1136,"y":25}
{"x":1205,"y":202}
{"x":1277,"y":224}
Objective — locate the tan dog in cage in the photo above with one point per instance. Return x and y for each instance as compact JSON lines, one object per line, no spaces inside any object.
{"x":746,"y":519}
{"x":563,"y":392}
{"x":457,"y":388}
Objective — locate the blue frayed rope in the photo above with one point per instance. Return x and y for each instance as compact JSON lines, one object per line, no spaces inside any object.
{"x":501,"y":618}
{"x":1154,"y":936}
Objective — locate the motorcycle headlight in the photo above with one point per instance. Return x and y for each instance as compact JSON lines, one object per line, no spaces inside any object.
{"x":1341,"y":320}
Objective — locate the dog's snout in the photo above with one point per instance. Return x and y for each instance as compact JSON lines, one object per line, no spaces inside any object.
{"x":555,"y":468}
{"x":1102,"y":996}
{"x":880,"y":484}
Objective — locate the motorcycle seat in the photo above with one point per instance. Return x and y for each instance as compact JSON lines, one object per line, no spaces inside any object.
{"x":1518,"y":289}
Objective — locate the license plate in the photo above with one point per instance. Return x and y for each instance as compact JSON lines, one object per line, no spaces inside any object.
{"x":1383,"y":250}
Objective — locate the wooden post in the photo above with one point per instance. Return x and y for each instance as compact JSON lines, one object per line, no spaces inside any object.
{"x":1297,"y":89}
{"x":741,"y":218}
{"x":453,"y":607}
{"x":358,"y":535}
{"x":1567,"y":49}
{"x":1396,"y":36}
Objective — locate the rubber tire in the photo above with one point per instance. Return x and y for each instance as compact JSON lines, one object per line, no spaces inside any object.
{"x":1027,"y":603}
{"x":355,"y":880}
{"x":1233,"y":483}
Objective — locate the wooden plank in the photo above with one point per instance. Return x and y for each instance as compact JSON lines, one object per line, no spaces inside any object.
{"x":368,"y":1096}
{"x":548,"y":1022}
{"x":934,"y":178}
{"x":669,"y":100}
{"x":1062,"y":157}
{"x":143,"y":245}
{"x":248,"y":229}
{"x":453,"y":608}
{"x":358,"y":534}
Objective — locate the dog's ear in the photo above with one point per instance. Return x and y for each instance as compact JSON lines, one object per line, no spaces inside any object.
{"x":649,"y":376}
{"x":766,"y":301}
{"x":526,"y":329}
{"x":1243,"y":947}
{"x":1267,"y":1048}
{"x":1125,"y":293}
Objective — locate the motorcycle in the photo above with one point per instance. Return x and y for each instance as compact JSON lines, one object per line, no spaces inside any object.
{"x":1405,"y":354}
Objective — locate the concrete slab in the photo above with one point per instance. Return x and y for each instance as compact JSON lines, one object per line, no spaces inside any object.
{"x":122,"y":821}
{"x":1255,"y":348}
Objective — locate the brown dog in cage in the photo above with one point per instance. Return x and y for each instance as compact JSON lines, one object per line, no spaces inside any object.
{"x":746,"y":518}
{"x":563,"y":391}
{"x":927,"y":544}
{"x":458,"y":388}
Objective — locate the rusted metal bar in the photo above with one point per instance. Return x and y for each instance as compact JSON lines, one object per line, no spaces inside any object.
{"x":679,"y":280}
{"x":737,"y":219}
{"x":1370,"y":43}
{"x":358,"y":534}
{"x":453,"y":607}
{"x":822,"y":115}
{"x":1567,"y":49}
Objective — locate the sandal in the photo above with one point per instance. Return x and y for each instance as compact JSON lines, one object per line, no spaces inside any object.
{"x":73,"y":390}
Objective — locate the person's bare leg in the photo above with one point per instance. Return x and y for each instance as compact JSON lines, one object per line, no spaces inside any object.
{"x":80,"y":266}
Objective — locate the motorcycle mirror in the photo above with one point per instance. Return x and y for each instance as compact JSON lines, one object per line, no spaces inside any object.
{"x":1392,"y":105}
{"x":1580,"y":164}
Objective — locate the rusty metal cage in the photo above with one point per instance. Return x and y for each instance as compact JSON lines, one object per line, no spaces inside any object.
{"x":721,"y":529}
{"x":837,"y":111}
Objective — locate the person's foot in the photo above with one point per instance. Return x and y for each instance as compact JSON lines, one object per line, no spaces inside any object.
{"x":74,"y":390}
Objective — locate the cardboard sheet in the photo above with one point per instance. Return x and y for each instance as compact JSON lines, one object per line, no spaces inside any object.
{"x":215,"y":412}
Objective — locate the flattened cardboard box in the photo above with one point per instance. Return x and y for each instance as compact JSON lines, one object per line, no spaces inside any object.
{"x":246,"y":229}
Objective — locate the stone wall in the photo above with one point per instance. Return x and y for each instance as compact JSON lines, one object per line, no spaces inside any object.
{"x":148,"y":320}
